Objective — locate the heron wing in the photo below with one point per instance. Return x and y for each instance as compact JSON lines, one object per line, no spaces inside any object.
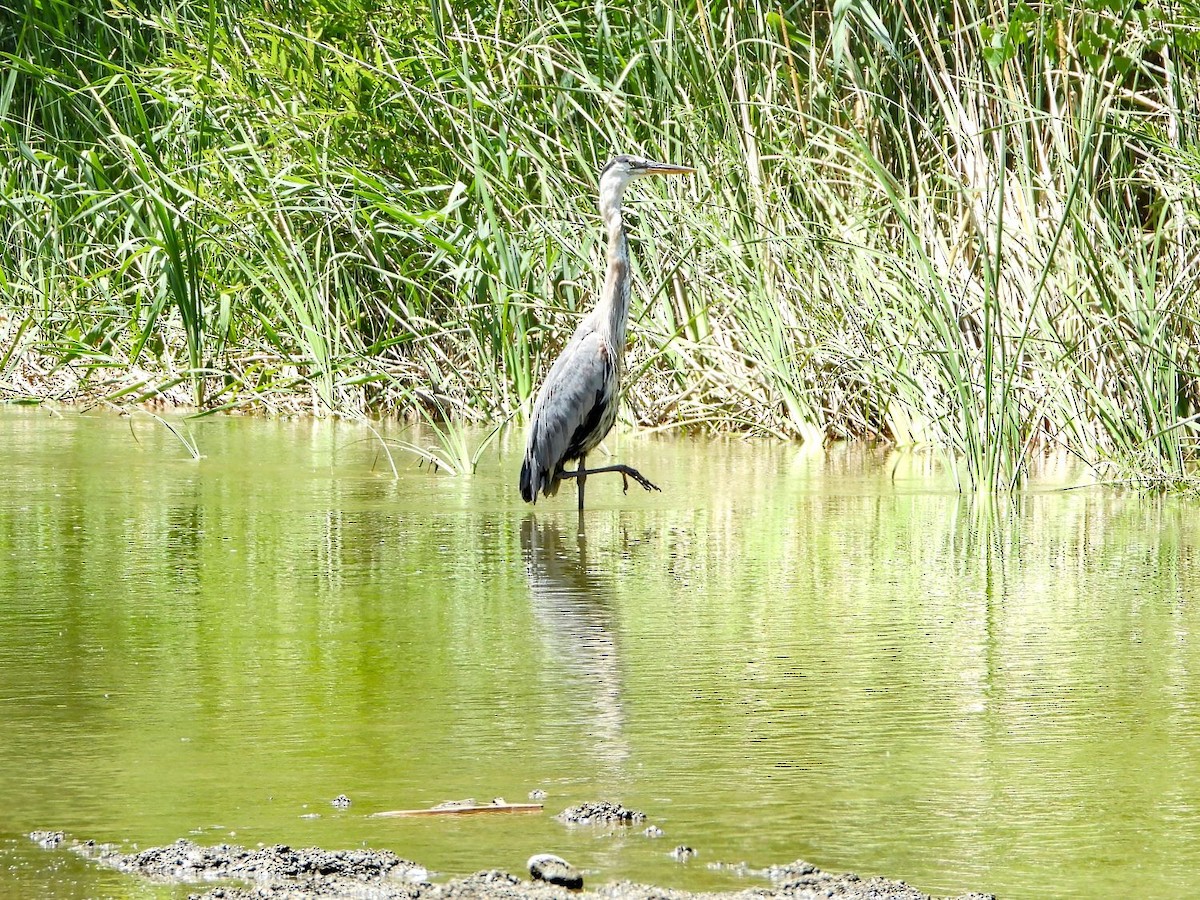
{"x":570,"y":408}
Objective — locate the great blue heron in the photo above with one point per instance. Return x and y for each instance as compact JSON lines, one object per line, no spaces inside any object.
{"x":577,"y":404}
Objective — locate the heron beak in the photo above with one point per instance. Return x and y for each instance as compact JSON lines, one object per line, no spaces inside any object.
{"x":657,"y":168}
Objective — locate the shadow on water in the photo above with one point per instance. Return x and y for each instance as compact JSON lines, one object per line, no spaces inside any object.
{"x":576,"y":624}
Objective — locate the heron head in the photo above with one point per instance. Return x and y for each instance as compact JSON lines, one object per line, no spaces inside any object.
{"x":623,"y":168}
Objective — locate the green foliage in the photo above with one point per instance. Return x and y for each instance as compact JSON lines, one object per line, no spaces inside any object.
{"x":955,"y":225}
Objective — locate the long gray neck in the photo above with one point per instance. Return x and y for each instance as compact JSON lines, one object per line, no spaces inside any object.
{"x":613,"y":308}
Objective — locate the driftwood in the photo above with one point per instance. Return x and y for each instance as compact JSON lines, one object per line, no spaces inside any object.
{"x":460,"y":809}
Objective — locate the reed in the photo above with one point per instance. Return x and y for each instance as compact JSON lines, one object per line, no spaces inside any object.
{"x":968,"y":226}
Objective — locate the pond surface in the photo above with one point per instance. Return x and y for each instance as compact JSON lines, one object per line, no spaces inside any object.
{"x":781,"y":656}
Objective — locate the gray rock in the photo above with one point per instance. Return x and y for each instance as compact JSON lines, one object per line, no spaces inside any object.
{"x":554,"y":870}
{"x":284,"y":873}
{"x":188,"y":861}
{"x":792,"y":871}
{"x":600,"y":812}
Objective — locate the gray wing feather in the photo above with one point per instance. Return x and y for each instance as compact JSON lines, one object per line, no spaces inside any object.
{"x":580,"y":379}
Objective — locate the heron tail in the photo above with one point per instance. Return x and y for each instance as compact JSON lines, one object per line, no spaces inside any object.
{"x":534,"y":478}
{"x":528,"y":488}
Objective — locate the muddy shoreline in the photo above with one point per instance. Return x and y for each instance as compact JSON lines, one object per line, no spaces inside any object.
{"x":232,"y":872}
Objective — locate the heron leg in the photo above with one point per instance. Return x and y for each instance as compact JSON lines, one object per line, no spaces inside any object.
{"x":627,"y":472}
{"x":581,"y":475}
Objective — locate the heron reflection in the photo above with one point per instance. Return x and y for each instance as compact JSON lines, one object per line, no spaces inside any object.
{"x":576,"y":624}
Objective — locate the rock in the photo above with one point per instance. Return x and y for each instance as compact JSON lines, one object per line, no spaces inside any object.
{"x":537,"y":794}
{"x":490,"y":882}
{"x":653,"y":831}
{"x":48,"y":840}
{"x":341,"y":801}
{"x":791,"y":871}
{"x":189,"y":861}
{"x":600,"y":812}
{"x":285,"y":873}
{"x":803,"y":879}
{"x":554,"y":870}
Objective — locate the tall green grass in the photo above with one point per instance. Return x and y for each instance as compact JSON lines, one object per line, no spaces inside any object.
{"x":965,"y":226}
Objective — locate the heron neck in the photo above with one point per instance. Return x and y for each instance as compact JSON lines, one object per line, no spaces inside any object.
{"x":613,"y":309}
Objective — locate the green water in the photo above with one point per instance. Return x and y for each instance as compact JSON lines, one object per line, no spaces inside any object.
{"x":781,"y":656}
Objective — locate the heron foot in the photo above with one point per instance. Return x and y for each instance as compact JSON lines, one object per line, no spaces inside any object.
{"x":627,"y":472}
